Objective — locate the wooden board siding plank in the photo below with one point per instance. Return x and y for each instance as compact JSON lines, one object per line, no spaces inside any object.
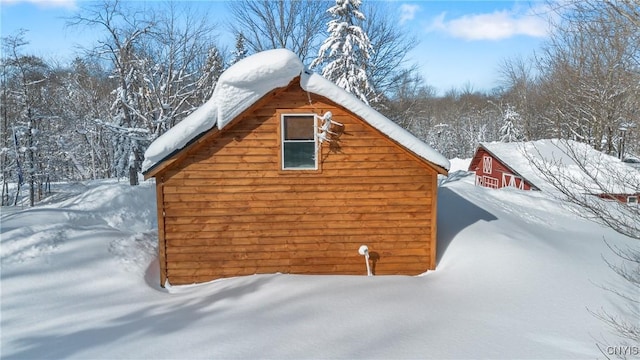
{"x":195,"y":265}
{"x":317,"y":196}
{"x":310,"y":265}
{"x":279,"y":188}
{"x":387,"y":256}
{"x":351,"y":249}
{"x":311,"y":262}
{"x":271,"y":165}
{"x":334,"y":225}
{"x":290,"y":255}
{"x":327,"y":172}
{"x":268,"y":219}
{"x":345,"y":141}
{"x":330,"y":211}
{"x":295,"y":203}
{"x":282,"y":192}
{"x":376,"y":241}
{"x":233,"y":159}
{"x":204,"y":209}
{"x":391,"y":233}
{"x":287,"y":214}
{"x":174,"y":209}
{"x":301,"y":240}
{"x":415,"y":265}
{"x":294,"y":218}
{"x":357,"y":269}
{"x":190,"y":276}
{"x":293,"y":245}
{"x":304,"y":181}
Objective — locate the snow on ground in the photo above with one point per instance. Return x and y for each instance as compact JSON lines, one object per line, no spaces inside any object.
{"x":458,"y":164}
{"x":516,"y":276}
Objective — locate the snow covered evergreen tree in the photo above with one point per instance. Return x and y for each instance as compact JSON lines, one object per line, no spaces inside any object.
{"x":344,"y":55}
{"x":510,"y":130}
{"x":240,"y":51}
{"x":211,"y":71}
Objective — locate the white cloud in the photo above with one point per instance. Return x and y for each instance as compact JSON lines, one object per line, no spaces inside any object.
{"x":67,"y":4}
{"x":408,"y":12}
{"x":497,"y":25}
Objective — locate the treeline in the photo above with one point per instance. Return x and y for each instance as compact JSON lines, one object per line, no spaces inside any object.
{"x":583,"y":84}
{"x":94,"y":117}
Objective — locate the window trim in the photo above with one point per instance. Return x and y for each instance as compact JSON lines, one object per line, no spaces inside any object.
{"x":316,"y":167}
{"x":487,"y":164}
{"x":635,"y":200}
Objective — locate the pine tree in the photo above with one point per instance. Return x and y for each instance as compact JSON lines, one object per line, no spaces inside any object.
{"x":211,"y":71}
{"x":240,"y":52}
{"x":344,"y":55}
{"x":510,"y":130}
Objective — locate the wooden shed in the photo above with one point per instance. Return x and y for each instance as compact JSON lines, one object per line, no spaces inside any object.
{"x":282,"y":171}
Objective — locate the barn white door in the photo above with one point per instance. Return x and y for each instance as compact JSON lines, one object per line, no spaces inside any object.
{"x":510,"y":180}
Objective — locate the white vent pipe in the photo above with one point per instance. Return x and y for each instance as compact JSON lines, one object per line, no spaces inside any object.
{"x":364,"y":251}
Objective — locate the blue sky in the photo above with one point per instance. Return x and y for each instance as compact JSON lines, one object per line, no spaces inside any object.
{"x":461,"y":43}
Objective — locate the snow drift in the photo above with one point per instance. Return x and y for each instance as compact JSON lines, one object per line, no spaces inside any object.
{"x":516,"y":278}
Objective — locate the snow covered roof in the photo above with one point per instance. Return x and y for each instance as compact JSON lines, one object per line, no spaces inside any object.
{"x":253,"y":77}
{"x":600,"y":173}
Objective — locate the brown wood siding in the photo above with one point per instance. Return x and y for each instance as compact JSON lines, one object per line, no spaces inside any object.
{"x":230,"y":210}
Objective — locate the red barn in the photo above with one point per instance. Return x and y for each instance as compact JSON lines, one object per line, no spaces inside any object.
{"x":492,"y":172}
{"x":517,"y":165}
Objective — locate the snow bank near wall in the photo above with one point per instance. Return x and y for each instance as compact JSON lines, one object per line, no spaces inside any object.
{"x":244,"y":83}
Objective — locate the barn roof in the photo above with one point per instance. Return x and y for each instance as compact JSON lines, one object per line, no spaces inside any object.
{"x":250,"y":79}
{"x":557,"y":156}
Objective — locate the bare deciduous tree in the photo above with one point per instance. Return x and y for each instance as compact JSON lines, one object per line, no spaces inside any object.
{"x":391,"y":44}
{"x":25,"y":76}
{"x":296,"y":25}
{"x":589,"y":68}
{"x":124,"y":30}
{"x":157,"y":55}
{"x":521,"y":90}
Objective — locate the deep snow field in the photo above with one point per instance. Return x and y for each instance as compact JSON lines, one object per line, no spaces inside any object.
{"x":516,"y":278}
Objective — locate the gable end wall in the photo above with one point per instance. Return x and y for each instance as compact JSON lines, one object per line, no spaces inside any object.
{"x":229,"y":210}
